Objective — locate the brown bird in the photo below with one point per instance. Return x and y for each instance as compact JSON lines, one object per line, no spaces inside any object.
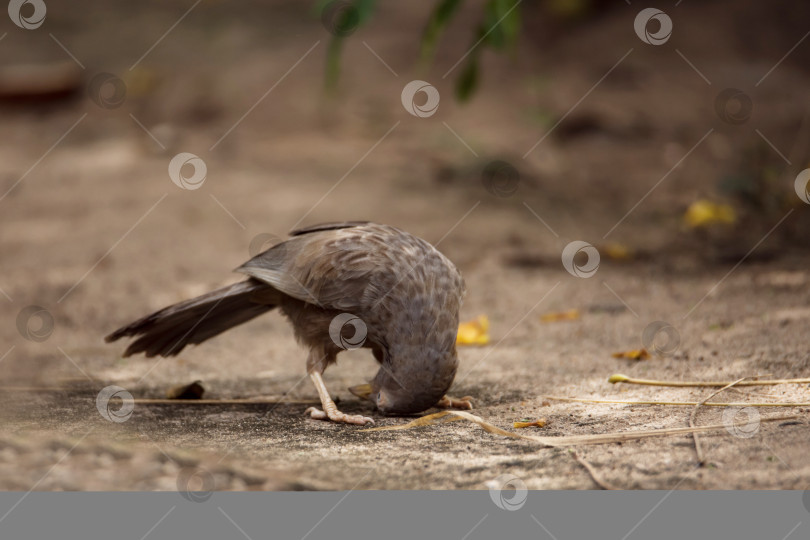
{"x":398,"y":293}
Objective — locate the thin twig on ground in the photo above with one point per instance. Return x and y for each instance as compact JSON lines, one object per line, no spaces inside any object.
{"x":557,"y":442}
{"x":619,"y":378}
{"x":592,"y":471}
{"x":140,"y":401}
{"x":695,"y":436}
{"x":679,"y":403}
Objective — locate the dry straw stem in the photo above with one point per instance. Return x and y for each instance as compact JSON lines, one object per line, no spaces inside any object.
{"x":33,"y":389}
{"x":222,"y":401}
{"x":619,"y":378}
{"x":680,"y":403}
{"x":164,"y":401}
{"x":555,"y":442}
{"x":698,"y":449}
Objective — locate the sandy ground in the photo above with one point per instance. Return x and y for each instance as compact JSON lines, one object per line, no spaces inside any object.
{"x":94,"y":231}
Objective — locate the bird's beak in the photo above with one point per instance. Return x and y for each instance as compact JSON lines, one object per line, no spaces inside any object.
{"x":363,"y":391}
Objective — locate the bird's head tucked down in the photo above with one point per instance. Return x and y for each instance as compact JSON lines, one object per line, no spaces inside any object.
{"x":413,"y":378}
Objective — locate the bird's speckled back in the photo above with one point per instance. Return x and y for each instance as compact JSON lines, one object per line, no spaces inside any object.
{"x":406,"y":292}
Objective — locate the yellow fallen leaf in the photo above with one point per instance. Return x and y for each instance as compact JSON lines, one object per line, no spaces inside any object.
{"x":473,"y":332}
{"x":141,"y":81}
{"x":617,"y":251}
{"x":703,"y":212}
{"x":570,"y":315}
{"x":636,"y":354}
{"x":536,"y":423}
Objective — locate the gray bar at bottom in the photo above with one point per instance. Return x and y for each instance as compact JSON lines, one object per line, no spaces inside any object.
{"x":392,"y":515}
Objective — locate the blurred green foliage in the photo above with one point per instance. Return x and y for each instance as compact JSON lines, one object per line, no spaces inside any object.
{"x":497,"y":30}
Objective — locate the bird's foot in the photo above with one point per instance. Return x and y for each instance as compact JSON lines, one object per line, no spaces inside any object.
{"x":330,"y":410}
{"x":337,"y":416}
{"x":448,"y":402}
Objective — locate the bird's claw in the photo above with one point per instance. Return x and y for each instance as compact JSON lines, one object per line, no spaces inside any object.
{"x":448,"y":402}
{"x":337,"y":416}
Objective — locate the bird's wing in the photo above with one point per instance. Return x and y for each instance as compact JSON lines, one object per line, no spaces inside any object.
{"x":335,"y":268}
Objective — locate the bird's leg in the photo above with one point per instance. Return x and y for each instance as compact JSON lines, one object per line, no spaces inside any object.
{"x":316,"y":364}
{"x":330,"y":410}
{"x":448,"y":402}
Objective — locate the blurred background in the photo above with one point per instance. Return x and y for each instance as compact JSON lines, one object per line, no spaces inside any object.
{"x":150,"y":147}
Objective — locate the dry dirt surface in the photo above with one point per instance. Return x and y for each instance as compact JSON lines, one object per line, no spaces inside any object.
{"x":612,"y":139}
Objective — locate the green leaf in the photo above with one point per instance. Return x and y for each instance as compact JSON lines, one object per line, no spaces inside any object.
{"x":490,"y":30}
{"x":501,"y":23}
{"x":439,"y":19}
{"x":468,"y":80}
{"x":363,"y":10}
{"x":333,"y":64}
{"x":511,"y":24}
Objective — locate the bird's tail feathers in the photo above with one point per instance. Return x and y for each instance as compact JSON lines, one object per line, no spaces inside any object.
{"x":168,"y":331}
